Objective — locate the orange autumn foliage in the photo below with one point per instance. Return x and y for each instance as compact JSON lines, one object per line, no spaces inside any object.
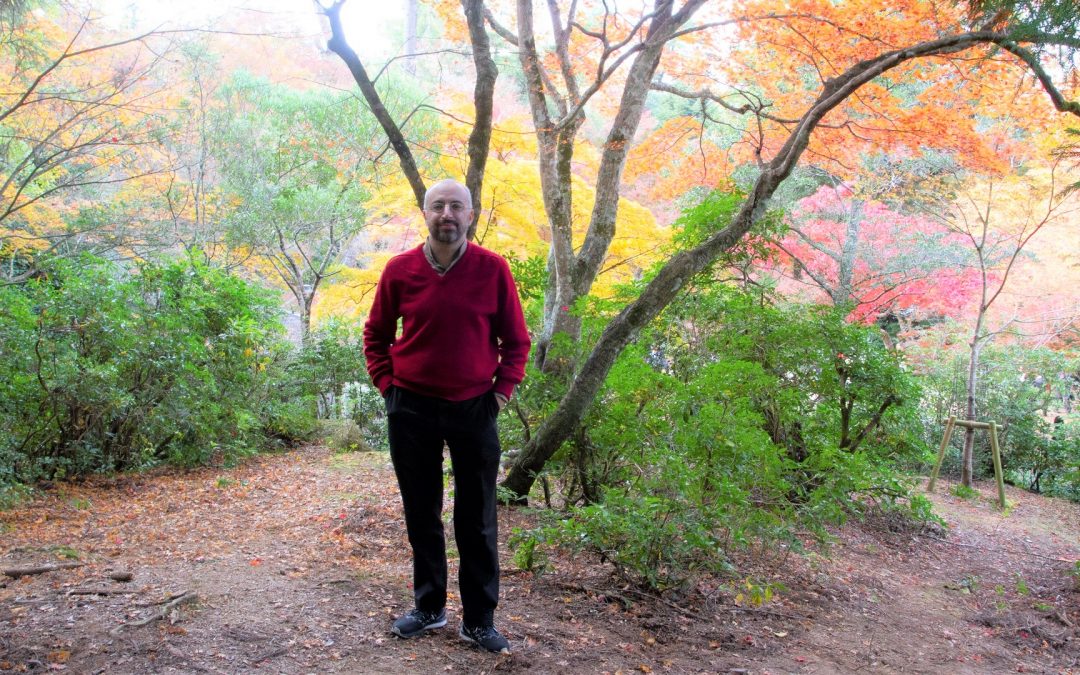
{"x":982,"y":106}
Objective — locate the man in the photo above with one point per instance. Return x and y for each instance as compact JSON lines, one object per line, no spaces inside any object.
{"x":462,"y":349}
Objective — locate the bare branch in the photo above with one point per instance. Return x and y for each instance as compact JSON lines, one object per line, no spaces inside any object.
{"x":435,"y":52}
{"x":500,"y":30}
{"x":339,"y":46}
{"x":562,"y":40}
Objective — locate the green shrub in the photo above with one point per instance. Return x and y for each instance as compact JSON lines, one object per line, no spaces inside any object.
{"x":733,"y":423}
{"x":344,"y":435}
{"x":107,"y":369}
{"x":657,"y":541}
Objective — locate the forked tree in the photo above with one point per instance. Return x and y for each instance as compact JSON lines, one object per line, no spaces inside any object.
{"x":595,"y":50}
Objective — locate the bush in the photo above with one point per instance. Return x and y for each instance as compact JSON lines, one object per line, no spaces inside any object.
{"x":331,"y":359}
{"x":654,"y":541}
{"x":344,"y":435}
{"x":105,"y":370}
{"x":732,"y":423}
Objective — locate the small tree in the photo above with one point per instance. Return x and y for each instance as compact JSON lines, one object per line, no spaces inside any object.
{"x":871,"y":258}
{"x":998,"y":217}
{"x":298,"y":166}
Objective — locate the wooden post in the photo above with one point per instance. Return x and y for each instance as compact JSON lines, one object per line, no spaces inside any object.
{"x":995,"y":449}
{"x":941,"y":452}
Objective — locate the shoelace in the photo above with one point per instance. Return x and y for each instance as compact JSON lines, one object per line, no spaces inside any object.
{"x":482,"y":632}
{"x":424,"y":617}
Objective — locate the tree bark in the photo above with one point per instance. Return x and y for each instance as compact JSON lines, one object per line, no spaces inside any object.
{"x":571,"y":276}
{"x":967,"y":463}
{"x":554,"y":151}
{"x":483,"y":102}
{"x":874,"y":421}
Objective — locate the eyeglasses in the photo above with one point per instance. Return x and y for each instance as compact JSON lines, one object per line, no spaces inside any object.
{"x":439,"y":207}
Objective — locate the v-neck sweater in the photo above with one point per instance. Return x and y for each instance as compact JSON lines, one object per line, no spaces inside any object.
{"x":462,"y":333}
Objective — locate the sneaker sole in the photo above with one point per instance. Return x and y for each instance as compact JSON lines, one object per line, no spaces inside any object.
{"x":430,"y":626}
{"x":466,"y":638}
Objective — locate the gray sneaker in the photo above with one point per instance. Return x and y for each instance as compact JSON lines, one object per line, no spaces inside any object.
{"x":418,"y":622}
{"x":485,"y":637}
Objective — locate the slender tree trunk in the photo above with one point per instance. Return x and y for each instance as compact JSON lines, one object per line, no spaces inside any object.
{"x":849,"y":251}
{"x":967,"y":470}
{"x":571,"y":276}
{"x":339,"y":46}
{"x":555,"y":150}
{"x":846,"y":405}
{"x":412,"y":12}
{"x":307,"y":300}
{"x":483,"y":100}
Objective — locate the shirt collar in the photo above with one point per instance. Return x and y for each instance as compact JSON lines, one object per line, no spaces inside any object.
{"x":435,"y":263}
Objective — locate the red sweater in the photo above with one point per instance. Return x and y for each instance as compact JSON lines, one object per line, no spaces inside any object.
{"x":462,"y":333}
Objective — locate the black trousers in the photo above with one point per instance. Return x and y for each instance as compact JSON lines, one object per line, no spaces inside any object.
{"x":418,"y":426}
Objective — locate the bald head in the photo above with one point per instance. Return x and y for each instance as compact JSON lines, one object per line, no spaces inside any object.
{"x":448,"y":212}
{"x":447,"y":187}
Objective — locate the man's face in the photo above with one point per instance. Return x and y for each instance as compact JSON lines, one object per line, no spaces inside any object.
{"x":447,"y":212}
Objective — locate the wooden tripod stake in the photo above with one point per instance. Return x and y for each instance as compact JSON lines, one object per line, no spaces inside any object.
{"x":995,"y":450}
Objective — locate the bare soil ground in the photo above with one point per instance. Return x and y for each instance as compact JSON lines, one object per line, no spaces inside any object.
{"x":297,"y":563}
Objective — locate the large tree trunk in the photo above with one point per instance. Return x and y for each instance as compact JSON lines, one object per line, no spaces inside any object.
{"x":555,"y":150}
{"x":571,"y":276}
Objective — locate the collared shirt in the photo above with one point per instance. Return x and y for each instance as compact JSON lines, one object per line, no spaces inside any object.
{"x":430,"y":255}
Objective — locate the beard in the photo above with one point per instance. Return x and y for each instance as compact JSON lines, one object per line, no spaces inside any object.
{"x":446,"y":235}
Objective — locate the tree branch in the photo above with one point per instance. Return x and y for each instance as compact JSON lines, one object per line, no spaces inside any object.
{"x":340,"y":46}
{"x":483,"y":103}
{"x":1032,"y":61}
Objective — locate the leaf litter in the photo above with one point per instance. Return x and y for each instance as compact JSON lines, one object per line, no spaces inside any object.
{"x":298,"y":562}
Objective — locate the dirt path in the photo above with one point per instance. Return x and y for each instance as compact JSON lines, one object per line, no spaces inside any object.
{"x":296,"y":563}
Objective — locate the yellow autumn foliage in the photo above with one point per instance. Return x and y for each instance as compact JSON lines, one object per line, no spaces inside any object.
{"x":512,"y":222}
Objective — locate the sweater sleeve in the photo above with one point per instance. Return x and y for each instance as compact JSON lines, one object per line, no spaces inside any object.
{"x":513,"y":335}
{"x":380,"y":331}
